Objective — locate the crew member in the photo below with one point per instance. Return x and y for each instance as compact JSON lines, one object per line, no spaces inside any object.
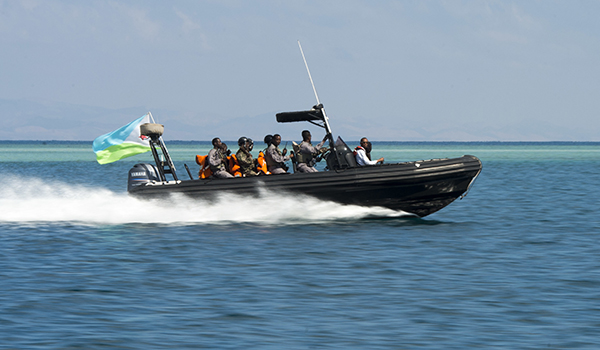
{"x":244,"y":157}
{"x":275,"y":158}
{"x":361,"y":154}
{"x":308,"y":153}
{"x":368,"y":149}
{"x":217,"y":160}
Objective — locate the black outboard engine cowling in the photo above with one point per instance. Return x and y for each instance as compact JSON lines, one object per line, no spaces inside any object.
{"x":141,"y":174}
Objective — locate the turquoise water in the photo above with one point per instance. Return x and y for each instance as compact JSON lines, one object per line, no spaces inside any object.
{"x":514,"y":265}
{"x":183,"y":151}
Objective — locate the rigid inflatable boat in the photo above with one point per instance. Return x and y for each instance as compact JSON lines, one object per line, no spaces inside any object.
{"x":420,"y":187}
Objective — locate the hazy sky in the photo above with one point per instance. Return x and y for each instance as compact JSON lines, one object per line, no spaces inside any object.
{"x":389,"y":70}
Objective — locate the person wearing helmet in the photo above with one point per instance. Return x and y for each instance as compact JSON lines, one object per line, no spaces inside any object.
{"x":268,"y":139}
{"x":244,"y":157}
{"x":308,"y":153}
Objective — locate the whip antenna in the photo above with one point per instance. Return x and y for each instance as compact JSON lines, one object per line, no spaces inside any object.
{"x":308,"y":70}
{"x":320,"y":106}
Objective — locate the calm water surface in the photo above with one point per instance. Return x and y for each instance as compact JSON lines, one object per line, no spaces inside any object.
{"x":514,"y":265}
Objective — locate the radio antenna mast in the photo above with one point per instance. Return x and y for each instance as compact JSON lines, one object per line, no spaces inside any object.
{"x":308,"y":70}
{"x":319,"y":105}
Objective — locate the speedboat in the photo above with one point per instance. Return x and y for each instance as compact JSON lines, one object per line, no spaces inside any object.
{"x":418,"y":187}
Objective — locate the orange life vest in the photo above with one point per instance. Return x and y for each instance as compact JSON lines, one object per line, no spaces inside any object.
{"x":234,"y":166}
{"x":205,"y":171}
{"x":262,"y":164}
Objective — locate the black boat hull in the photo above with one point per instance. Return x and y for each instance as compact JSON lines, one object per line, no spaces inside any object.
{"x":420,"y":188}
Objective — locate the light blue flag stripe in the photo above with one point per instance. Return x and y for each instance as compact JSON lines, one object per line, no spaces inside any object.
{"x":116,"y":137}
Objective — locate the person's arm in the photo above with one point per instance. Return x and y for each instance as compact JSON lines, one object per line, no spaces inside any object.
{"x":362,"y":160}
{"x":272,"y":152}
{"x":305,"y":148}
{"x":320,"y":145}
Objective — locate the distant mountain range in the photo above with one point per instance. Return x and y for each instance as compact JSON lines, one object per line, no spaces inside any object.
{"x":40,"y":120}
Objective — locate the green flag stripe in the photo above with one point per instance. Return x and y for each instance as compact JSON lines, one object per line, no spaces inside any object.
{"x":117,"y":152}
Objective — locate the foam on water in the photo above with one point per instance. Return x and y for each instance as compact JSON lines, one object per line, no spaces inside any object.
{"x":34,"y":200}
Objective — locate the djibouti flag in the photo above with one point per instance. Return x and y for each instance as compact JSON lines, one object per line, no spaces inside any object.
{"x":124,"y":142}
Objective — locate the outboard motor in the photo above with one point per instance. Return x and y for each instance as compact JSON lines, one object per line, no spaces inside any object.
{"x":343,"y":157}
{"x":141,"y":174}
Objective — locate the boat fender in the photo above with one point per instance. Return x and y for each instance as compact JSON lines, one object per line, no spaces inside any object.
{"x":141,"y":174}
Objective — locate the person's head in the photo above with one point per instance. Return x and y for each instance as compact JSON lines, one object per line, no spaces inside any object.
{"x":245,"y":143}
{"x":216,"y":142}
{"x":364,"y":142}
{"x":368,"y":147}
{"x":268,"y":139}
{"x":306,"y":136}
{"x":223,"y":146}
{"x":242,"y":141}
{"x":276,"y":139}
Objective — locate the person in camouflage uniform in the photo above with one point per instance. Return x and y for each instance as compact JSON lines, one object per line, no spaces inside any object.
{"x":244,"y":157}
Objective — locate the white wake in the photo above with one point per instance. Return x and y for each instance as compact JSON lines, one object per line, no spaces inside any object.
{"x":33,"y":200}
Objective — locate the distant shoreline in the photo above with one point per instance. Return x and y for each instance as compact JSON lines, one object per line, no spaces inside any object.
{"x":208,"y":142}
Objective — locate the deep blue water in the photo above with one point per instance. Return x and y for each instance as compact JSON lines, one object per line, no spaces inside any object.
{"x":514,"y":265}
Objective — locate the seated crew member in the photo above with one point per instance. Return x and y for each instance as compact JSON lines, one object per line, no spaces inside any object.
{"x":368,"y":149}
{"x":275,"y":158}
{"x":308,"y":152}
{"x":217,"y":160}
{"x":268,"y":139}
{"x":261,"y":162}
{"x":361,"y":154}
{"x":244,"y":157}
{"x":226,"y":154}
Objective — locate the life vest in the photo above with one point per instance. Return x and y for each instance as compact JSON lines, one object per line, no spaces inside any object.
{"x":298,"y":156}
{"x":262,"y":164}
{"x":205,"y":171}
{"x":304,"y":157}
{"x":357,"y":148}
{"x":234,"y":166}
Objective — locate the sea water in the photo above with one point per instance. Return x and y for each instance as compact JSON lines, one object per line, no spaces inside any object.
{"x":513,"y":265}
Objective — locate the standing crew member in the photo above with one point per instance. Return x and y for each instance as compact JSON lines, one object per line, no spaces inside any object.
{"x":275,"y":158}
{"x":217,"y":160}
{"x":244,"y":157}
{"x":308,"y":152}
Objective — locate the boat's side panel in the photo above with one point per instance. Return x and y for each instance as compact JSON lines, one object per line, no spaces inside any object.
{"x":416,"y":187}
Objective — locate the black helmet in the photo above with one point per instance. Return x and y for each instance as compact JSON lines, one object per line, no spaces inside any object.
{"x":242,"y":141}
{"x":268,"y":139}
